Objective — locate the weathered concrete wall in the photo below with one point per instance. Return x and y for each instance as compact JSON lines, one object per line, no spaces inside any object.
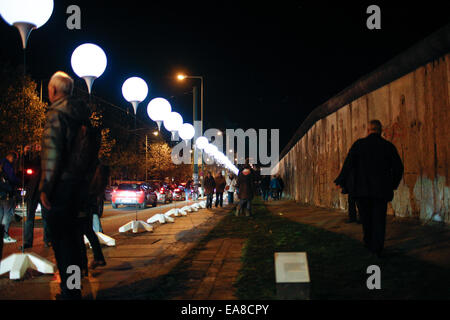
{"x":414,"y":111}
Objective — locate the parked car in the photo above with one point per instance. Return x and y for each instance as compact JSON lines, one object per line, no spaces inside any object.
{"x":178,"y":193}
{"x":133,"y":194}
{"x":164,"y":194}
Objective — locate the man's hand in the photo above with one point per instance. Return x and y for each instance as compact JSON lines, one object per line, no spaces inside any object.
{"x":44,"y":201}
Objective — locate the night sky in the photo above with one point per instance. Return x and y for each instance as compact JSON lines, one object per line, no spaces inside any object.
{"x":266,"y":64}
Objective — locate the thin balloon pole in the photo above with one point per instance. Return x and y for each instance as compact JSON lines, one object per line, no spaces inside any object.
{"x":24,"y":214}
{"x":135,"y":145}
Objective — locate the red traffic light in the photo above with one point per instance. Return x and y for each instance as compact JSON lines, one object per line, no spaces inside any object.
{"x":30,"y":171}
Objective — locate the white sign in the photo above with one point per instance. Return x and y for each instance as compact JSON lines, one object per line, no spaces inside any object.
{"x":291,"y":267}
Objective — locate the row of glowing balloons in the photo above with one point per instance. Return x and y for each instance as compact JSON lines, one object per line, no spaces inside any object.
{"x":89,"y":62}
{"x":212,"y":151}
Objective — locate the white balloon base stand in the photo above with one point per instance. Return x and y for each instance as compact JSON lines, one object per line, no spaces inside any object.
{"x":103,"y":238}
{"x":18,"y":263}
{"x":135,"y":226}
{"x":161,"y":218}
{"x":186,"y":208}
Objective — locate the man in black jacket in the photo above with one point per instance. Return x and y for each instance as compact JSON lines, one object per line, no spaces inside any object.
{"x":9,"y":183}
{"x":371,"y":172}
{"x":245,"y":186}
{"x":63,"y":193}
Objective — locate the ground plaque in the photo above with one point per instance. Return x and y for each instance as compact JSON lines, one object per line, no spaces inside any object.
{"x":292,"y":276}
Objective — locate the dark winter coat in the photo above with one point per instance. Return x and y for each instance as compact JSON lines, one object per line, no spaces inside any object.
{"x":281,"y":183}
{"x":8,"y":170}
{"x":8,"y":179}
{"x":245,"y":184}
{"x":265,"y":183}
{"x":209,"y":185}
{"x":372,"y":169}
{"x":63,"y":121}
{"x":275,"y":184}
{"x":220,"y":183}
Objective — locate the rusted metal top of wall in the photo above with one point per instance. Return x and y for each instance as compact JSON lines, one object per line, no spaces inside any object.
{"x":432,"y":47}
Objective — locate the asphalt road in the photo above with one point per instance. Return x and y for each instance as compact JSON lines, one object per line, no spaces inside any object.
{"x":111,"y":220}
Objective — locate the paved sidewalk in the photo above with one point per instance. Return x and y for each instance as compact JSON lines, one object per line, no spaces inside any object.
{"x":430,"y":243}
{"x":214,"y":270}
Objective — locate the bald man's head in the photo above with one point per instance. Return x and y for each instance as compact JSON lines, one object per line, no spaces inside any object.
{"x":60,"y":86}
{"x":375,"y":127}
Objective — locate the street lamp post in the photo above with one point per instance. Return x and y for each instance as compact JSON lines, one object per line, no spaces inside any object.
{"x":181,"y":77}
{"x":25,"y":15}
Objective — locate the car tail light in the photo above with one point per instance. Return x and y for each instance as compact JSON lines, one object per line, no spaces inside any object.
{"x":162,"y":190}
{"x":30,"y":171}
{"x":177,"y":190}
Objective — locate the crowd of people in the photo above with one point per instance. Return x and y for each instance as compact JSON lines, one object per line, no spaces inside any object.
{"x":246,"y":185}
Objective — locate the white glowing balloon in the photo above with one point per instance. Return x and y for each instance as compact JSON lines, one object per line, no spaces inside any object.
{"x":88,"y":62}
{"x":210,"y":149}
{"x":26,"y":15}
{"x":134,"y":89}
{"x":201,"y":142}
{"x":222,"y":159}
{"x":158,"y":109}
{"x":173,"y":122}
{"x":35,"y":12}
{"x":186,"y":131}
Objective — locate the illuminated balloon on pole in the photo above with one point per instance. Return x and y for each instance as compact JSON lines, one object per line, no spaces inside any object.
{"x":26,"y":15}
{"x":134,"y":90}
{"x":173,"y":123}
{"x":158,"y":110}
{"x":201,"y":142}
{"x":210,"y":149}
{"x":89,"y":62}
{"x":186,"y":131}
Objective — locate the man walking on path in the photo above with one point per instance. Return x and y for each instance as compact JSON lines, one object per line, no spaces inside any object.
{"x":65,"y":171}
{"x":245,"y":186}
{"x":265,"y":187}
{"x":209,"y":185}
{"x":231,"y":187}
{"x":220,"y":189}
{"x":281,"y":183}
{"x":371,"y":172}
{"x":275,"y":188}
{"x":8,"y":187}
